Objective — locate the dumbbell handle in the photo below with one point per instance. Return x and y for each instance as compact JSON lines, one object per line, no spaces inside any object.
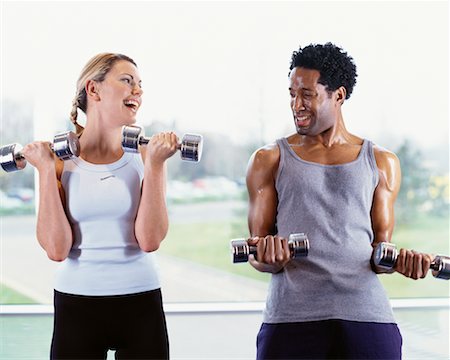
{"x":190,"y":147}
{"x":65,"y":145}
{"x":19,"y":155}
{"x":145,"y":140}
{"x":298,"y":247}
{"x":386,"y":255}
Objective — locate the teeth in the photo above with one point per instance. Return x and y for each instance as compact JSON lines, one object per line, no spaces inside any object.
{"x":131,"y":102}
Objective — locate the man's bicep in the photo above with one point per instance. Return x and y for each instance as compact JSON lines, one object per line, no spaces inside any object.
{"x":262,"y":213}
{"x":262,"y":195}
{"x":383,"y":218}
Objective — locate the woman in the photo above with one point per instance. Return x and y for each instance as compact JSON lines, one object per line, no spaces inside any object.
{"x":102,"y":215}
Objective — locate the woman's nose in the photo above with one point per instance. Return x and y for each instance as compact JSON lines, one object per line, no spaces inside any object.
{"x":137,"y":90}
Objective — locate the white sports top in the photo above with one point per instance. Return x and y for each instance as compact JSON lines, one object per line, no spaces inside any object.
{"x":101,"y":203}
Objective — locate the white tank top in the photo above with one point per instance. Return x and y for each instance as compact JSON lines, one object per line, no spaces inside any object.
{"x":101,"y":204}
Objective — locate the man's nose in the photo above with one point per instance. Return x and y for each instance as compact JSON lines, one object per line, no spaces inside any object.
{"x":297,"y":104}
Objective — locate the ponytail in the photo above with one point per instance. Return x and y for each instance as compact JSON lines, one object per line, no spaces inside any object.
{"x":73,"y":117}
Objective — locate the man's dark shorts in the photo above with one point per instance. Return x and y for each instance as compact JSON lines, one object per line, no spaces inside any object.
{"x":329,"y":339}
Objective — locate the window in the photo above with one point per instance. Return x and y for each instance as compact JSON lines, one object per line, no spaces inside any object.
{"x":228,"y":83}
{"x":220,"y":69}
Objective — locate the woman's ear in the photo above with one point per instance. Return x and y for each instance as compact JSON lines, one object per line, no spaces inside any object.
{"x":92,"y":90}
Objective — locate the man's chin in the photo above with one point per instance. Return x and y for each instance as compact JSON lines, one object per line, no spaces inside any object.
{"x":302,"y":131}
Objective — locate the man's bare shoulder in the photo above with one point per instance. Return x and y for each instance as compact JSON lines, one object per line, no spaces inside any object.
{"x":384,"y":157}
{"x":389,"y":168}
{"x":266,"y":156}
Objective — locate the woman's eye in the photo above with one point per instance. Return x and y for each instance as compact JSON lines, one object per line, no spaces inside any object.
{"x":128,"y":81}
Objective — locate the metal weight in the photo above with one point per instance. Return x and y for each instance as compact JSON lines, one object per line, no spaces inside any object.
{"x":65,"y":146}
{"x":298,"y":247}
{"x":386,"y":256}
{"x":131,"y":135}
{"x":11,"y":158}
{"x":440,"y":267}
{"x":191,"y":146}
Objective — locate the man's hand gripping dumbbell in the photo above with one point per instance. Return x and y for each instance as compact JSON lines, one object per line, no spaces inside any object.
{"x":190,"y":146}
{"x":386,"y":255}
{"x":297,"y":246}
{"x":65,"y":146}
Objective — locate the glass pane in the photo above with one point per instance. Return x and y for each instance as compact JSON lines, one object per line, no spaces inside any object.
{"x":228,"y":83}
{"x":17,"y":205}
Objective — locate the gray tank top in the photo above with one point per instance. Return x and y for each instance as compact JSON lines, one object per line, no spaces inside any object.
{"x":331,"y":204}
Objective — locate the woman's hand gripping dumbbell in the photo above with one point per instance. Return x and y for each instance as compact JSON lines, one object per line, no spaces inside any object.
{"x":298,"y":247}
{"x":65,"y":146}
{"x":386,"y":255}
{"x":190,"y":146}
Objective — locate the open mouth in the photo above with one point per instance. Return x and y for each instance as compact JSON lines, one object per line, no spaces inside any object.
{"x":302,"y":121}
{"x":132,"y":104}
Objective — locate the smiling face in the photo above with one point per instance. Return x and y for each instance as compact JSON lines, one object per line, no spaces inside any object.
{"x":313,"y":107}
{"x":119,"y":94}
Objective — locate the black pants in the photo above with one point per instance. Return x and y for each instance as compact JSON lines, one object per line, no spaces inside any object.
{"x":86,"y":327}
{"x":329,"y":339}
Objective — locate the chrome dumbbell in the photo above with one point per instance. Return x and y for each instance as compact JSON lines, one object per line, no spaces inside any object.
{"x":65,"y":146}
{"x":190,"y":147}
{"x":386,"y":256}
{"x":298,"y":246}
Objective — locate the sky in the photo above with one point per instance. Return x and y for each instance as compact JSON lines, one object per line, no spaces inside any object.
{"x":213,"y":66}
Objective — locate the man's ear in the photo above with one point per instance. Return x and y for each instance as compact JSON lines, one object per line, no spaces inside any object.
{"x":341,"y":93}
{"x":92,"y":90}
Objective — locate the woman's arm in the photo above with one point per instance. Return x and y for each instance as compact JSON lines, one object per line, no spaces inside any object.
{"x":53,"y":229}
{"x":152,"y":222}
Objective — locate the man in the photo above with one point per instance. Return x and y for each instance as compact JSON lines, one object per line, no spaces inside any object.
{"x":340,"y":190}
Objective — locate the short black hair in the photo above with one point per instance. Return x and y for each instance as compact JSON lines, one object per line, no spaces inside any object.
{"x":336,"y":67}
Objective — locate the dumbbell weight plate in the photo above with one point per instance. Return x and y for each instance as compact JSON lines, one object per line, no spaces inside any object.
{"x":241,"y":250}
{"x":386,"y":255}
{"x":130,"y":138}
{"x":66,"y":145}
{"x":441,"y":267}
{"x":191,"y":147}
{"x":298,"y":245}
{"x":11,"y":158}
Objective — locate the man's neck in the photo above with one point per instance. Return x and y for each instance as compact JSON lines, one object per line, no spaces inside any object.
{"x":336,"y":135}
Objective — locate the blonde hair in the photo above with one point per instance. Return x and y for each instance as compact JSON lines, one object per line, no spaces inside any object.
{"x":95,"y":69}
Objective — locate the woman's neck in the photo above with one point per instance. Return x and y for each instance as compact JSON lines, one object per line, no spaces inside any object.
{"x":100,"y":143}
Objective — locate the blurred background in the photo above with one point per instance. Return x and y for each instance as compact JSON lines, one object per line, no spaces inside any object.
{"x":220,"y":68}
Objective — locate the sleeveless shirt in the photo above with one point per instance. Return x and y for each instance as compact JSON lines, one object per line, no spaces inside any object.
{"x":331,"y":204}
{"x":101,"y":205}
